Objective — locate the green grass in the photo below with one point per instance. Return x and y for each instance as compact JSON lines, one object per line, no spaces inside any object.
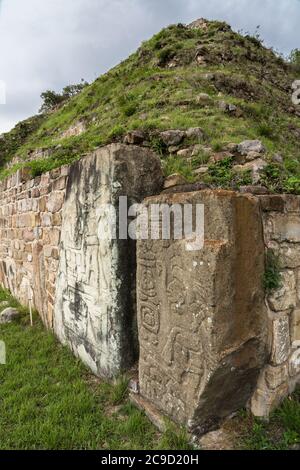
{"x":272,"y":275}
{"x":174,"y":164}
{"x":49,"y":400}
{"x":282,"y":432}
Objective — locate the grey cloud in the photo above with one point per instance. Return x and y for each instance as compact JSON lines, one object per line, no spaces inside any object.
{"x":47,"y":44}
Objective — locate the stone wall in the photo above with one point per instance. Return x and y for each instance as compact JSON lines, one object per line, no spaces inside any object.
{"x":51,"y":253}
{"x":281,"y":221}
{"x":211,"y":339}
{"x":30,"y":225}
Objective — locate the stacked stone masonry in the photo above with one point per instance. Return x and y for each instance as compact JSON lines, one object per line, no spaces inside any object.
{"x":281,"y":222}
{"x":30,"y":226}
{"x":210,"y":339}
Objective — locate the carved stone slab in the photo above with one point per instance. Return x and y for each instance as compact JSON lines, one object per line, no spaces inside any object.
{"x":95,"y":311}
{"x":201,"y":314}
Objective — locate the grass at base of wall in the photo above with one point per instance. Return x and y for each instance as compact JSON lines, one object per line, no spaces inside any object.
{"x":49,"y":400}
{"x":280,"y":432}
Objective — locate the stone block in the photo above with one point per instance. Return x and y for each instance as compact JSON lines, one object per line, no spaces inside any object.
{"x":285,"y":227}
{"x":295,"y":326}
{"x":292,"y":203}
{"x":294,"y":365}
{"x":54,"y":174}
{"x":56,"y":219}
{"x":55,"y":254}
{"x":280,"y":340}
{"x":95,"y":307}
{"x":46,"y":219}
{"x":201,"y":314}
{"x":284,"y":298}
{"x":55,"y":201}
{"x":42,"y":204}
{"x":59,"y":184}
{"x":64,"y":170}
{"x":28,"y":235}
{"x":264,"y":400}
{"x":54,"y":236}
{"x":289,"y":255}
{"x":276,"y":376}
{"x":272,"y":203}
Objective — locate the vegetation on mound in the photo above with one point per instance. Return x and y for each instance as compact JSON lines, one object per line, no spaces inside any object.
{"x":157,"y":88}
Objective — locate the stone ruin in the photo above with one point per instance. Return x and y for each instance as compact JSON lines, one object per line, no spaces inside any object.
{"x":202,"y":318}
{"x":207,"y":338}
{"x":95,"y":309}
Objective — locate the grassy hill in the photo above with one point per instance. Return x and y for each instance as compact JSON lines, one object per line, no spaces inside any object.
{"x":199,"y":76}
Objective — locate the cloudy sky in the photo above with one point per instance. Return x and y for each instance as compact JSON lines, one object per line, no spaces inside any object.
{"x":50,"y":43}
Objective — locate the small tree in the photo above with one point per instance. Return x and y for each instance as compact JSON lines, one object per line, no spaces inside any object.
{"x":294,"y":59}
{"x":51,"y":99}
{"x":72,"y":90}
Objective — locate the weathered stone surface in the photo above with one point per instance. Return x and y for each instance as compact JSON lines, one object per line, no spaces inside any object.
{"x":283,"y":227}
{"x":295,"y":362}
{"x":292,"y":203}
{"x":156,"y":418}
{"x":284,"y":298}
{"x":195,"y":133}
{"x":256,"y":166}
{"x":248,"y":146}
{"x":187,"y":188}
{"x":55,"y":201}
{"x":75,"y":130}
{"x":201,"y":23}
{"x":288,"y":255}
{"x":230,"y":108}
{"x":185,"y":153}
{"x":281,"y":341}
{"x":174,"y":180}
{"x":257,"y":190}
{"x":9,"y":315}
{"x":295,"y":326}
{"x":264,"y":400}
{"x":201,"y":314}
{"x":276,"y":376}
{"x":136,"y":137}
{"x":204,"y":99}
{"x":27,"y":234}
{"x":218,"y":440}
{"x":172,"y":137}
{"x":95,"y":308}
